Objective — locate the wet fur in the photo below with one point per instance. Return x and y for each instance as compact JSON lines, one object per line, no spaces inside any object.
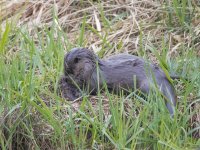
{"x":118,"y":72}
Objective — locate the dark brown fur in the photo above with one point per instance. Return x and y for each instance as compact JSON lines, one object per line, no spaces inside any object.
{"x":118,"y":72}
{"x":67,"y":89}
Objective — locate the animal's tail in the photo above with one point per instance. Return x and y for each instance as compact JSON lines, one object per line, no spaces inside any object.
{"x":170,"y":95}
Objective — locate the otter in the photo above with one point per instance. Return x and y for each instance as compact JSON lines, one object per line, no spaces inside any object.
{"x":83,"y":69}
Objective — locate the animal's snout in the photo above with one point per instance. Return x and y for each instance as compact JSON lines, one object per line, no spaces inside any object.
{"x":68,"y":69}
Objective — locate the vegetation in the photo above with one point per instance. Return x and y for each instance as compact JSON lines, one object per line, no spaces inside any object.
{"x":35,"y":35}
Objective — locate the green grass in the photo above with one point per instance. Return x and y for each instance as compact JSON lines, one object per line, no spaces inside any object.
{"x":33,"y":116}
{"x":182,"y":11}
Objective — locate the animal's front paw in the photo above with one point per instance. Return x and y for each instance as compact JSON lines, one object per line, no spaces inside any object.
{"x":67,"y":90}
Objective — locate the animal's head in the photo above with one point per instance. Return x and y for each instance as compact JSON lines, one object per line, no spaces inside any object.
{"x":80,"y":62}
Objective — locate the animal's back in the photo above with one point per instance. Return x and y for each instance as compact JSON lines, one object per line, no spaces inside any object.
{"x":120,"y":58}
{"x":121,"y":69}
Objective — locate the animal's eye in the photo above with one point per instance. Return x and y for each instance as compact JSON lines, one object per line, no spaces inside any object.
{"x":76,"y":60}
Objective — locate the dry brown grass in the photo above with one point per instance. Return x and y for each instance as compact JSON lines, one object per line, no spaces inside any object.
{"x":139,"y":18}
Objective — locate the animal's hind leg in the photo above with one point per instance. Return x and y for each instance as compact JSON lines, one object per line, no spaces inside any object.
{"x":144,"y":87}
